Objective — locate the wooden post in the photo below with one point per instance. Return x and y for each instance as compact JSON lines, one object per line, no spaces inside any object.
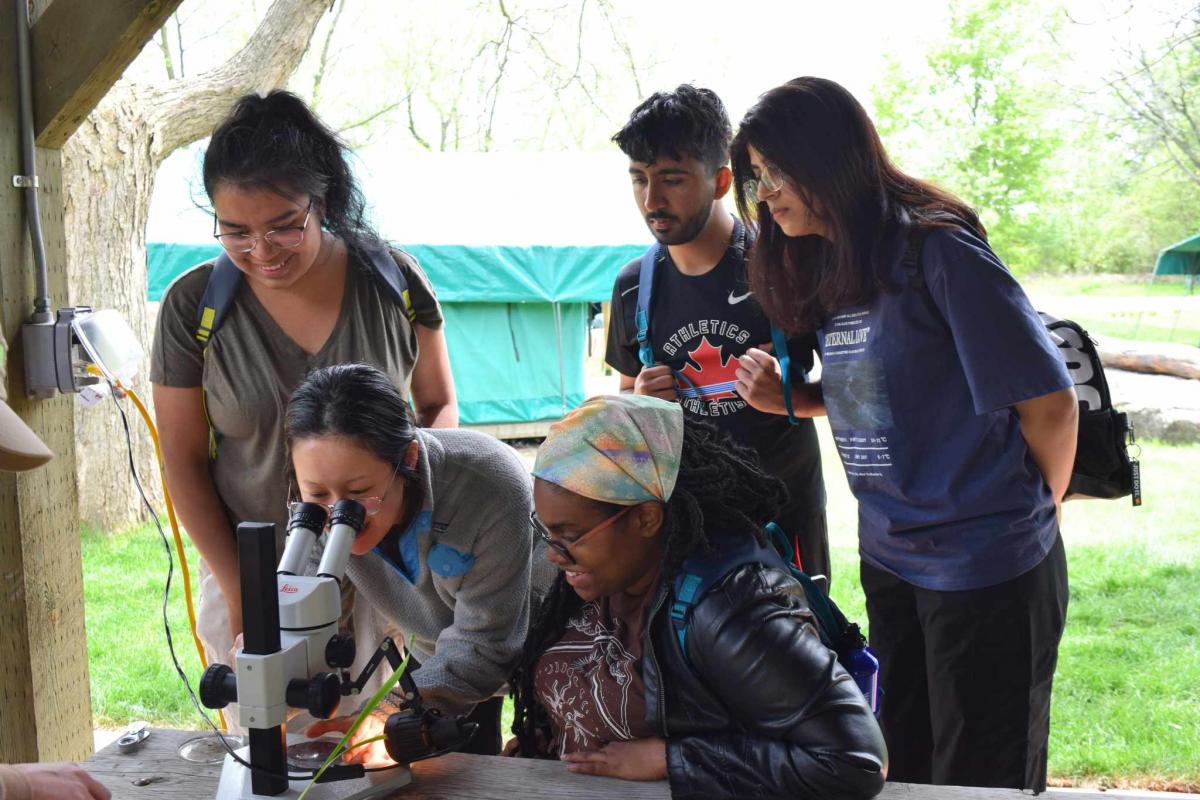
{"x":45,"y":703}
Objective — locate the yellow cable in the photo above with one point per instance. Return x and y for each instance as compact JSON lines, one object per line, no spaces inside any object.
{"x":183,"y":564}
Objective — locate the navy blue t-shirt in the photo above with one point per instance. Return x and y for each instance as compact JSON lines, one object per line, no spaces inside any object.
{"x":920,"y":403}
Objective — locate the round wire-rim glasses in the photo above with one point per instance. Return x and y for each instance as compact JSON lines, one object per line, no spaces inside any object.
{"x":286,"y":238}
{"x":372,"y":504}
{"x":562,"y":548}
{"x":770,"y":178}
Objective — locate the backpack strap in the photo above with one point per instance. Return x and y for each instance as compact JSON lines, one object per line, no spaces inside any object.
{"x":223,"y":283}
{"x":700,"y":573}
{"x":642,"y":315}
{"x":383,"y":265}
{"x":226,"y":278}
{"x":785,"y":365}
{"x":916,"y":274}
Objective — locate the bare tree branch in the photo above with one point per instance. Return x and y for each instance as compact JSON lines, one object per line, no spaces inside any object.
{"x":187,"y":109}
{"x":323,"y":61}
{"x":412,"y":124}
{"x":165,"y":47}
{"x":623,"y":45}
{"x":179,"y":41}
{"x":367,"y":120}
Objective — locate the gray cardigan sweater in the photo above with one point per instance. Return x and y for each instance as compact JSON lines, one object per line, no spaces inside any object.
{"x":466,"y":577}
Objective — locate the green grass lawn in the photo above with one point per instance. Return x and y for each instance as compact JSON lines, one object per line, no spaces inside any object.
{"x":1109,"y":285}
{"x":1121,"y":306}
{"x":1127,"y":695}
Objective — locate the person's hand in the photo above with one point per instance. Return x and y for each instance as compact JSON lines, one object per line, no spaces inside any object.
{"x":760,"y":380}
{"x":657,"y":381}
{"x":238,"y":644}
{"x":234,"y":611}
{"x":638,"y":760}
{"x":371,"y":755}
{"x":62,"y":782}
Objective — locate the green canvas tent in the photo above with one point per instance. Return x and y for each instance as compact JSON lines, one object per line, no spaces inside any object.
{"x":1181,"y":258}
{"x":516,"y":245}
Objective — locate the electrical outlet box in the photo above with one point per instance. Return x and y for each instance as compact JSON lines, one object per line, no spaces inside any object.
{"x":58,"y":353}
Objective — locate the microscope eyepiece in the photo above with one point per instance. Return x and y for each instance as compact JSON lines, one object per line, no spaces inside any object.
{"x":348,"y":512}
{"x":310,"y":516}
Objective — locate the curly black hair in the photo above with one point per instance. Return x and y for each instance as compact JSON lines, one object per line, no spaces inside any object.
{"x":721,"y":492}
{"x":688,"y":121}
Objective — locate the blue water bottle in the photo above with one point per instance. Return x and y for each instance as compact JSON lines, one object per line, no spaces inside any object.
{"x":864,"y":668}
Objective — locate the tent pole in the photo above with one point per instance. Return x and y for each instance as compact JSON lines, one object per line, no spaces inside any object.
{"x":562,"y":378}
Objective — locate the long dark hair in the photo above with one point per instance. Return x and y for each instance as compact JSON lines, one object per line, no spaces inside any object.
{"x":721,"y":492}
{"x":821,"y":137}
{"x":275,"y":142}
{"x":356,"y":401}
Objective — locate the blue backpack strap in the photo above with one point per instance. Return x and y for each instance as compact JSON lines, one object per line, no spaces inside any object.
{"x":387,"y":271}
{"x":700,"y":573}
{"x":644,"y":296}
{"x":223,"y":283}
{"x":785,"y":365}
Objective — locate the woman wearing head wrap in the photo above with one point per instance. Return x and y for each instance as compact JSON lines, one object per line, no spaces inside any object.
{"x":625,"y":492}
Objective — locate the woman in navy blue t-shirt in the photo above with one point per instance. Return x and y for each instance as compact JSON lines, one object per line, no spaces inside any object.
{"x":954,"y":416}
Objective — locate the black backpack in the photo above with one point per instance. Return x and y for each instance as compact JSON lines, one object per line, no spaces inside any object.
{"x":1103,"y":468}
{"x":701,"y":572}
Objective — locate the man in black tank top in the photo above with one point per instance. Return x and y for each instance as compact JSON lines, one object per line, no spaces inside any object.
{"x":703,"y":315}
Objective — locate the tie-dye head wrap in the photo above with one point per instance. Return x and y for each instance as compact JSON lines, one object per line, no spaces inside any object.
{"x":621,"y":449}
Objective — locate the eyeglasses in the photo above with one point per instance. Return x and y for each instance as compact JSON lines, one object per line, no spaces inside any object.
{"x":287,"y":238}
{"x":561,"y":548}
{"x":770,"y":178}
{"x":372,"y":505}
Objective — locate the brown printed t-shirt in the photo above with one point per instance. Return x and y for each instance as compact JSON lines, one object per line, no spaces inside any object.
{"x":252,"y":367}
{"x":590,"y":681}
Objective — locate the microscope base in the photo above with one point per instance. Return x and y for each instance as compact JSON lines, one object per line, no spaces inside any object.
{"x":235,"y":784}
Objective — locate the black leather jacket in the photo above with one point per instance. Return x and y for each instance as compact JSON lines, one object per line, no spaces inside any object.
{"x":763,"y":709}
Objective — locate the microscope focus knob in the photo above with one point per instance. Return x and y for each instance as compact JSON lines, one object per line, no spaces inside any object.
{"x":318,"y":695}
{"x":218,"y":686}
{"x":340,"y":651}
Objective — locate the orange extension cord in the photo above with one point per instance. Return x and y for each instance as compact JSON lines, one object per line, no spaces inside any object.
{"x":183,"y":564}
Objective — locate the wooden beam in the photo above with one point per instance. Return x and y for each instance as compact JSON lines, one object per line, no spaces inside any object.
{"x":45,"y":707}
{"x":80,"y":49}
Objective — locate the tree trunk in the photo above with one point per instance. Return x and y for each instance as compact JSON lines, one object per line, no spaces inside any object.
{"x":1179,"y":360}
{"x":109,"y":166}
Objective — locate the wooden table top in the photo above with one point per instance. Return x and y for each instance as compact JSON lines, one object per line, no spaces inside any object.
{"x":457,"y":775}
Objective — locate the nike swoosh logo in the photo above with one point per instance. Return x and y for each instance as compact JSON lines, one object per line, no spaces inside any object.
{"x":733,"y":301}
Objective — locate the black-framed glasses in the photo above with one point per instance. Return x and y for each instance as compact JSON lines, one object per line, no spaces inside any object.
{"x":563,"y":548}
{"x":372,"y":505}
{"x":770,"y":178}
{"x":288,"y":238}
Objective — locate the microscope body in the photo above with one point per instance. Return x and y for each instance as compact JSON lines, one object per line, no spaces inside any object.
{"x":293,"y":657}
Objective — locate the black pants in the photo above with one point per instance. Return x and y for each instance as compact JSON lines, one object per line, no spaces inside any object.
{"x":966,"y":676}
{"x":487,"y":740}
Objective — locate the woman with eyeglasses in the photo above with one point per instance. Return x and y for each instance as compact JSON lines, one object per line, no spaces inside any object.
{"x":955,"y":419}
{"x":290,"y":218}
{"x":750,"y":704}
{"x":446,"y":554}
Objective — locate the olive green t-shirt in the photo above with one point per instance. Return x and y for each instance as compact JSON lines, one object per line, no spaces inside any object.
{"x":252,"y":367}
